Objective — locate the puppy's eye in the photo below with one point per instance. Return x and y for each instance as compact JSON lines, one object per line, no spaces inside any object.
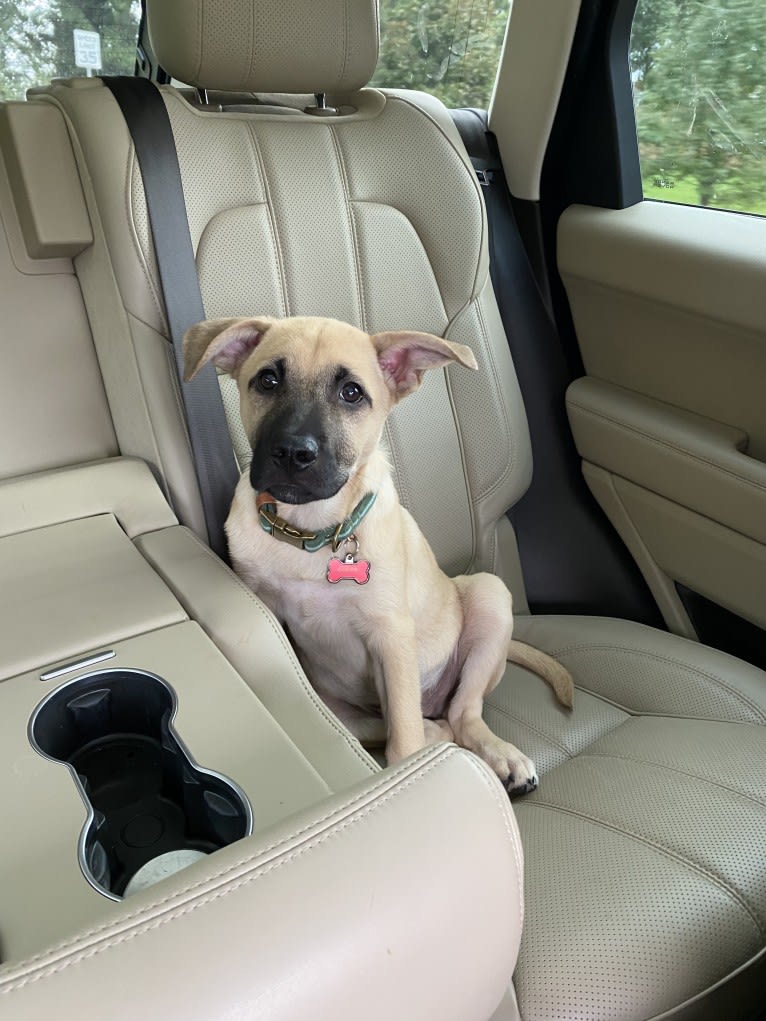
{"x":266,"y":381}
{"x":351,"y":393}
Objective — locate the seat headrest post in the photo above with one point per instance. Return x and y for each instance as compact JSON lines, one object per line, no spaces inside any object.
{"x":321,"y":109}
{"x":282,"y":46}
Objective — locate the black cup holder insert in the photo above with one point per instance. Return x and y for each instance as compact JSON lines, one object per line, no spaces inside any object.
{"x":145,"y":794}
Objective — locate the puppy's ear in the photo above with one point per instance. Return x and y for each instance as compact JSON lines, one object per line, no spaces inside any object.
{"x":404,"y":357}
{"x":225,"y":342}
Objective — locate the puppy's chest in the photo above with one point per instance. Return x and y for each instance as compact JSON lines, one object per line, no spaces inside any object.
{"x":317,"y":603}
{"x":295,"y":585}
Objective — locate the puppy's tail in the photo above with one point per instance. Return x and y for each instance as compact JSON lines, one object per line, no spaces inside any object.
{"x":544,"y":666}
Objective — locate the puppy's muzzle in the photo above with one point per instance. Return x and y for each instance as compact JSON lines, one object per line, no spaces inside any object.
{"x":295,"y":453}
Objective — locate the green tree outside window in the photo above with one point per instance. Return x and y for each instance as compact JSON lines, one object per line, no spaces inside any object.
{"x":699,"y":83}
{"x":36,"y":41}
{"x":450,"y":48}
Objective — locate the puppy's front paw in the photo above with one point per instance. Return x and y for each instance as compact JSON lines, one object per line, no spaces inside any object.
{"x":517,"y":773}
{"x":516,"y":787}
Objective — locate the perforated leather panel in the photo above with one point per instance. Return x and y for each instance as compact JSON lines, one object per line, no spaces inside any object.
{"x":643,"y":831}
{"x":330,"y":217}
{"x":272,"y":46}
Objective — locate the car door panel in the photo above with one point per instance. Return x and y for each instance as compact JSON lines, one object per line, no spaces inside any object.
{"x":670,"y":313}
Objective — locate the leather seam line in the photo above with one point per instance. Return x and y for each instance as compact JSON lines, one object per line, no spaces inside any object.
{"x":353,"y":816}
{"x":514,"y":839}
{"x":672,"y":1013}
{"x":252,"y":44}
{"x":346,"y":44}
{"x":99,"y":246}
{"x":385,"y":204}
{"x":660,"y":849}
{"x":142,"y":257}
{"x":674,"y":447}
{"x":352,"y":225}
{"x":535,"y":730}
{"x":511,"y":462}
{"x":676,"y":769}
{"x":476,"y":187}
{"x":464,"y":464}
{"x":221,"y":873}
{"x":473,"y":296}
{"x":175,"y":389}
{"x":272,"y":218}
{"x":572,"y":649}
{"x":401,"y":481}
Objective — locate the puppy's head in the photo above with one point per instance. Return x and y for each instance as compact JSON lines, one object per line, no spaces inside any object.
{"x":314,"y":393}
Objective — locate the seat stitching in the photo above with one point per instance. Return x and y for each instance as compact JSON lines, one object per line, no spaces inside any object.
{"x":252,"y":45}
{"x":391,"y":101}
{"x":675,"y":769}
{"x":383,"y":778}
{"x":535,"y":730}
{"x":401,"y":481}
{"x":385,"y":204}
{"x":346,"y":43}
{"x":142,"y":258}
{"x":510,"y":464}
{"x":678,"y":1009}
{"x":514,"y":839}
{"x":572,"y":649}
{"x":464,"y":463}
{"x":199,"y":35}
{"x":399,"y":98}
{"x":661,"y":849}
{"x":352,"y":223}
{"x":556,"y":743}
{"x":272,"y":218}
{"x":175,"y":389}
{"x":258,"y":872}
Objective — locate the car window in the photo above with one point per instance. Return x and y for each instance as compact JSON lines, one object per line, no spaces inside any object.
{"x":44,"y":39}
{"x":699,"y":87}
{"x":450,"y":48}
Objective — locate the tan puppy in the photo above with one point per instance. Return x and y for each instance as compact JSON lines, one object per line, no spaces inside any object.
{"x":399,"y":651}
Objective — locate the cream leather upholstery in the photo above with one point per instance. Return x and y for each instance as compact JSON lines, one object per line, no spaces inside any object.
{"x":388,"y":176}
{"x":92,"y":560}
{"x":646,"y":888}
{"x":308,"y":921}
{"x":676,"y":458}
{"x":643,"y":833}
{"x":211,"y":44}
{"x":53,"y":409}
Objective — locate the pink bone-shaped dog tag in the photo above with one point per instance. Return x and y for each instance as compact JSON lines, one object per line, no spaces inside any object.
{"x":348,"y":570}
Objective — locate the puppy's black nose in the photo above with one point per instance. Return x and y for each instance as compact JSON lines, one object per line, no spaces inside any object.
{"x":297,"y":452}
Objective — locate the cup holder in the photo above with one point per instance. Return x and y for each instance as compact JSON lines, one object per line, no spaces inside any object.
{"x":146,"y":796}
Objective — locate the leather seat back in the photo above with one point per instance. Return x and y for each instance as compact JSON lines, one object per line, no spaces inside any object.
{"x":53,"y":409}
{"x":373,"y":216}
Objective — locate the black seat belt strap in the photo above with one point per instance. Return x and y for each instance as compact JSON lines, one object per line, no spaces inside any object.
{"x":147,"y":118}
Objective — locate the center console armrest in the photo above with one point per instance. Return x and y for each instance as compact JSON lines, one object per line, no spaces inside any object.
{"x":402,"y":897}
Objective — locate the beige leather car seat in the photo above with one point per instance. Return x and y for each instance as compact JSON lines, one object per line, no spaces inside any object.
{"x":94,"y":565}
{"x":645,"y":876}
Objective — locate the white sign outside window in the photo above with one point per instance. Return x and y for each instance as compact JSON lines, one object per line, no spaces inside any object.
{"x":87,"y":49}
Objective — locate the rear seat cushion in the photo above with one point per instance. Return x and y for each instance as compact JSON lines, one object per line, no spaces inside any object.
{"x":645,"y":882}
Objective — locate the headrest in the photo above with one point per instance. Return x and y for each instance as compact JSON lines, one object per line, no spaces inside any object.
{"x":266,"y":45}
